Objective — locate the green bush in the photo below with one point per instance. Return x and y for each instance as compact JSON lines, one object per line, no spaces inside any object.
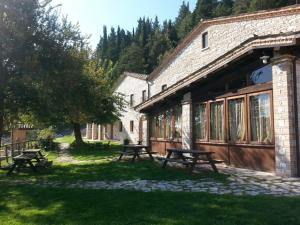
{"x":46,"y":137}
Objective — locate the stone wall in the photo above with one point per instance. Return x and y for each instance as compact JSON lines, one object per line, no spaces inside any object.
{"x":284,"y":119}
{"x":222,"y":38}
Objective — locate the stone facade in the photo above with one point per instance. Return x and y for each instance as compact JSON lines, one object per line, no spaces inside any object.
{"x":284,"y":119}
{"x":222,"y":38}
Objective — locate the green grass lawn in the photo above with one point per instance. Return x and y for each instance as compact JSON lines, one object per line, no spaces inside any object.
{"x":66,"y":139}
{"x":27,"y":205}
{"x":24,"y":204}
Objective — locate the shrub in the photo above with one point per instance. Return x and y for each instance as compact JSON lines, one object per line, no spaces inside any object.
{"x":46,"y":138}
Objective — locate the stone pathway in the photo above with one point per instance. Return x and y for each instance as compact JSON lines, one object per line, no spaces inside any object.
{"x":239,"y":188}
{"x":240,"y":182}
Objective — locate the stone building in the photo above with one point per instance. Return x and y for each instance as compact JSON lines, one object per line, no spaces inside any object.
{"x":230,"y":87}
{"x":134,"y":88}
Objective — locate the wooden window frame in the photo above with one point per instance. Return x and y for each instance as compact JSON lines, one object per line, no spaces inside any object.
{"x":245,"y":119}
{"x":131,"y":126}
{"x":144,"y":93}
{"x":270,"y":92}
{"x":120,"y":126}
{"x":224,"y":122}
{"x":131,"y":101}
{"x":205,"y":40}
{"x":207,"y":120}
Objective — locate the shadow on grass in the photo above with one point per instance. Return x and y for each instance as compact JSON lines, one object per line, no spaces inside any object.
{"x":113,"y":171}
{"x":27,"y":205}
{"x":95,"y":151}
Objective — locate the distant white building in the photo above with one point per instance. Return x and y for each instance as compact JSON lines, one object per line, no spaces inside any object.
{"x":135,"y":90}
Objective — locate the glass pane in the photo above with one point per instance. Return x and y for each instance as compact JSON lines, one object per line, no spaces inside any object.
{"x":217,"y":121}
{"x":153,"y":126}
{"x":169,"y":126}
{"x":260,"y":118}
{"x":236,"y":116}
{"x":200,"y":121}
{"x":160,"y":126}
{"x":261,"y":75}
{"x":177,"y":121}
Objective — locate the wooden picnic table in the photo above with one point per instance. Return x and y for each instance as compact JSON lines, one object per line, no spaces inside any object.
{"x":135,"y":151}
{"x":37,"y":152}
{"x":22,"y":161}
{"x":190,"y":158}
{"x":27,"y":158}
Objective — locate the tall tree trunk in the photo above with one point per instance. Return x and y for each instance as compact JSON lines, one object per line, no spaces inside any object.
{"x":77,"y":133}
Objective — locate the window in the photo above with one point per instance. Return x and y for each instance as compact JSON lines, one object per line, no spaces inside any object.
{"x":131,"y":126}
{"x":260,"y":118}
{"x":120,"y":127}
{"x":262,"y":75}
{"x":177,"y":121}
{"x":200,"y":121}
{"x":169,"y":125}
{"x":144,"y":96}
{"x":217,"y":121}
{"x":236,"y":120}
{"x":131,"y":99}
{"x":160,"y":126}
{"x":164,"y":87}
{"x":205,"y":40}
{"x":153,"y":126}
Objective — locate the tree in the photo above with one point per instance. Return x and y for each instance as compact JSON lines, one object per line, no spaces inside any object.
{"x":241,"y":6}
{"x":19,"y":28}
{"x":224,"y":8}
{"x":183,"y":23}
{"x":204,"y":10}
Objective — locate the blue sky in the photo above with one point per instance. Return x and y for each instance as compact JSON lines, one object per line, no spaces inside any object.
{"x":93,"y":14}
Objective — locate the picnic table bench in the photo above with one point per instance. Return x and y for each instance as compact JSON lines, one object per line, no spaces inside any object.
{"x":190,"y":158}
{"x":28,"y":158}
{"x":135,"y":151}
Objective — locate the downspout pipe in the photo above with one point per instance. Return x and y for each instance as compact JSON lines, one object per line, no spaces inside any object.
{"x":296,"y":114}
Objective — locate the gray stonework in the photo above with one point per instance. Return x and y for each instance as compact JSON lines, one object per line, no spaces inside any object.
{"x":187,"y":121}
{"x":284,"y":120}
{"x":221,"y":38}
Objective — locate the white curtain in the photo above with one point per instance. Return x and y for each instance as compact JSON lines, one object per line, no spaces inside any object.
{"x":217,"y":121}
{"x":237,"y":128}
{"x":200,"y":121}
{"x":260,"y":117}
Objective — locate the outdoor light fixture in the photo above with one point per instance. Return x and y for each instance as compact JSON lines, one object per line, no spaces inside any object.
{"x":265,"y":59}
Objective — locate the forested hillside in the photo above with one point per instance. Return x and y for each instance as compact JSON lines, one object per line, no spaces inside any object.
{"x":142,"y":49}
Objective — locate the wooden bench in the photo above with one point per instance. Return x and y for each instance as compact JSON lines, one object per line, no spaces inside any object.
{"x":136,"y":151}
{"x":194,"y":157}
{"x":22,"y":161}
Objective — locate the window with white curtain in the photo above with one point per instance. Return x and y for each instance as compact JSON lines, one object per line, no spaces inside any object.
{"x":260,"y":118}
{"x":217,"y":121}
{"x":200,"y":121}
{"x":236,"y":120}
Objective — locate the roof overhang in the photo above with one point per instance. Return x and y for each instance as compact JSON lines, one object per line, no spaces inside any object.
{"x":245,"y":48}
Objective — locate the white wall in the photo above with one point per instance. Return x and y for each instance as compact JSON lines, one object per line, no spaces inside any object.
{"x":128,"y":86}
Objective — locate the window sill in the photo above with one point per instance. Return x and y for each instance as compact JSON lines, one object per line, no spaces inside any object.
{"x":205,"y":49}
